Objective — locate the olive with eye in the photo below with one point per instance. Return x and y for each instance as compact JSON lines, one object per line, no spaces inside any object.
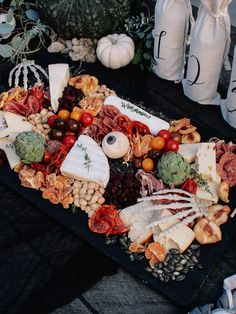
{"x":115,"y":145}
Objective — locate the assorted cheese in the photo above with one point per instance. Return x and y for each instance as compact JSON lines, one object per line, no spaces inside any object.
{"x":137,"y":114}
{"x":59,"y":75}
{"x":86,"y":161}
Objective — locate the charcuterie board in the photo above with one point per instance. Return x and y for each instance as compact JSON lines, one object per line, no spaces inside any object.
{"x":78,"y":223}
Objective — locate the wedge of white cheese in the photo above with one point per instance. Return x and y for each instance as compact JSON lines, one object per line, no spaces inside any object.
{"x":14,"y":124}
{"x":59,"y":75}
{"x":8,"y":146}
{"x":137,"y":114}
{"x":86,"y":161}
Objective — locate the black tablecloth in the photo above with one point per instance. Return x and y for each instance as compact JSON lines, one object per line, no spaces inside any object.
{"x":43,"y":265}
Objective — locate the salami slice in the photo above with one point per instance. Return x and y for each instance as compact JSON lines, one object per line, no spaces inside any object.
{"x":107,"y":221}
{"x":227,"y":168}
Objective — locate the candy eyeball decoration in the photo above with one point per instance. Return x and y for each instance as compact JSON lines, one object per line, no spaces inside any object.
{"x":115,"y":145}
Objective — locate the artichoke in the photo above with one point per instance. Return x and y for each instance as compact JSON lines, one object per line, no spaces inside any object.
{"x":30,"y":147}
{"x":173,"y":169}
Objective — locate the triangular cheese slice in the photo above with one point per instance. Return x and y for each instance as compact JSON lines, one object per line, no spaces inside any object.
{"x":58,"y":77}
{"x":86,"y":161}
{"x":14,"y":124}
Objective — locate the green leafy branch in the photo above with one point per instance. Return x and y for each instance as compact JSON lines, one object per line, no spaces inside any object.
{"x":22,"y":25}
{"x":140,"y":29}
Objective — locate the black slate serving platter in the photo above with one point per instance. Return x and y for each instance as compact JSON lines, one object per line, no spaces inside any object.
{"x":158,"y":95}
{"x":180,"y":292}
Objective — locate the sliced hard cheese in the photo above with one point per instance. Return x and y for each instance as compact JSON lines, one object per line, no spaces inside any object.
{"x":15,"y":124}
{"x":8,"y":146}
{"x":188,"y":151}
{"x":206,"y":161}
{"x":137,"y":114}
{"x":179,"y":238}
{"x":86,"y":161}
{"x":58,"y":77}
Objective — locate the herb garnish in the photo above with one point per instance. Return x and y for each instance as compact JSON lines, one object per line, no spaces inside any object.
{"x":201,"y":182}
{"x":10,"y":145}
{"x":133,"y":109}
{"x":87,"y":158}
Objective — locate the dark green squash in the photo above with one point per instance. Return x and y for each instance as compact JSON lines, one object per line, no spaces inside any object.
{"x":83,"y":18}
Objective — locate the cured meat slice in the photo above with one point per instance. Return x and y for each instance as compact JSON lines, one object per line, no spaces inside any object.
{"x":227,"y":168}
{"x":106,"y":221}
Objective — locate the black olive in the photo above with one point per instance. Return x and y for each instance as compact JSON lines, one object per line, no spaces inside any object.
{"x":72,"y":125}
{"x":59,"y":124}
{"x":57,"y":134}
{"x":111,"y":139}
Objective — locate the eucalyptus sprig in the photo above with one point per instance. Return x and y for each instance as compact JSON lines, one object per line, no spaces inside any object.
{"x":23,"y":25}
{"x":140,"y":29}
{"x":87,"y":158}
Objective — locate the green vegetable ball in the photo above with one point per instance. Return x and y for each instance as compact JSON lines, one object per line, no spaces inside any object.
{"x":173,"y":169}
{"x":30,"y":147}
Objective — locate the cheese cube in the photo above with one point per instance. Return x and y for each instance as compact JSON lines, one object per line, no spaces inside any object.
{"x":58,"y":77}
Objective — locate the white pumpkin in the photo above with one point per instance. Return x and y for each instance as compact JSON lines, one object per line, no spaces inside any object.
{"x":115,"y":51}
{"x":115,"y":145}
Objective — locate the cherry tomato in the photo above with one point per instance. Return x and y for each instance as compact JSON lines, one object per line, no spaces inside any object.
{"x":165,"y":134}
{"x":157,"y":142}
{"x":76,"y":115}
{"x":64,"y":114}
{"x":190,"y":186}
{"x":69,"y":140}
{"x":171,"y":146}
{"x":176,"y":136}
{"x":52,"y":119}
{"x":147,"y":164}
{"x":86,"y":119}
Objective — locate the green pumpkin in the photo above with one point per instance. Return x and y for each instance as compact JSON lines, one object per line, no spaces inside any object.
{"x":83,"y":18}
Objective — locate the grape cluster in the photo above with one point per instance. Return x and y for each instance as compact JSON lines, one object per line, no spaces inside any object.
{"x":70,"y":98}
